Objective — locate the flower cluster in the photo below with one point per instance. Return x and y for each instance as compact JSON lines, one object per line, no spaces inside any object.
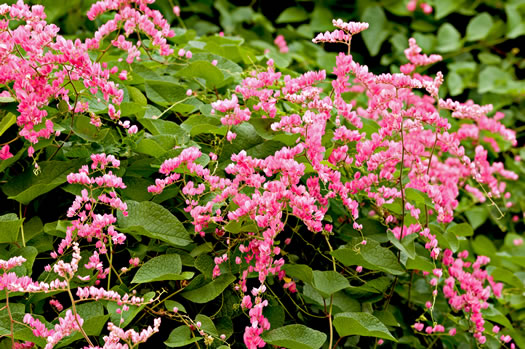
{"x":133,"y":16}
{"x":38,"y":65}
{"x":408,"y":147}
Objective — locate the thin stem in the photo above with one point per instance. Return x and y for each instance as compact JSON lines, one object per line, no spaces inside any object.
{"x":11,"y":321}
{"x":75,"y":314}
{"x":428,"y":173}
{"x":401,"y":182}
{"x":21,"y":225}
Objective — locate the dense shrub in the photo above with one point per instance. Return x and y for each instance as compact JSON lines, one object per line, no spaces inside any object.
{"x":207,"y":174}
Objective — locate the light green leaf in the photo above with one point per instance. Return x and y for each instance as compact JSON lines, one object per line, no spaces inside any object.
{"x":444,"y":7}
{"x":362,"y":324}
{"x":299,"y":271}
{"x":207,"y":325}
{"x":180,"y":337}
{"x":7,"y":121}
{"x":420,"y":263}
{"x":462,"y":229}
{"x":9,"y":227}
{"x":479,"y":27}
{"x":448,"y":38}
{"x":169,"y":304}
{"x":515,"y":21}
{"x":295,"y":337}
{"x":209,"y":291}
{"x":150,"y":219}
{"x":406,"y":245}
{"x":455,"y":83}
{"x":28,"y":186}
{"x":329,"y":282}
{"x":377,"y":32}
{"x":370,"y":256}
{"x":205,"y":70}
{"x":164,"y":93}
{"x":7,"y":99}
{"x":165,"y":267}
{"x":292,"y":14}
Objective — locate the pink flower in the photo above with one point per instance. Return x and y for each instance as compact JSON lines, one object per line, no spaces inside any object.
{"x":176,"y":11}
{"x":517,"y":242}
{"x":419,"y":326}
{"x":189,"y":92}
{"x":452,"y":332}
{"x":4,"y":153}
{"x":230,"y":136}
{"x":359,"y":268}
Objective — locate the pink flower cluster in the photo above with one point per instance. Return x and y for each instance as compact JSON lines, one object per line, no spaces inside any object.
{"x":281,"y":43}
{"x":133,"y":16}
{"x":37,"y":65}
{"x":465,"y":288}
{"x":412,"y":140}
{"x":64,"y":328}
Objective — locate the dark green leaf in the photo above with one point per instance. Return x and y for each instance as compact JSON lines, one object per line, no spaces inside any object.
{"x":165,"y":267}
{"x":152,"y":220}
{"x":370,"y":256}
{"x":209,"y":291}
{"x":180,"y":337}
{"x":28,"y":186}
{"x":329,"y":282}
{"x":295,"y":337}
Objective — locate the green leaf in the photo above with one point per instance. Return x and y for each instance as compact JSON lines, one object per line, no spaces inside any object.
{"x":9,"y":227}
{"x":515,"y":21}
{"x":455,"y":83}
{"x":479,"y":27}
{"x":164,"y":93}
{"x":362,"y":324}
{"x":205,"y":264}
{"x":7,"y":99}
{"x":180,"y":337}
{"x":165,"y":267}
{"x":482,"y":245}
{"x":420,"y":263}
{"x":299,"y":271}
{"x":150,"y":219}
{"x":85,"y":130}
{"x":493,"y":79}
{"x":448,"y":38}
{"x":377,"y":32}
{"x":292,"y":14}
{"x":406,"y":245}
{"x":462,"y":229}
{"x":495,"y":315}
{"x":370,"y":256}
{"x":209,"y":291}
{"x":205,"y":70}
{"x":295,"y":337}
{"x":169,"y":304}
{"x":7,"y":121}
{"x":444,"y":7}
{"x":28,"y":186}
{"x":207,"y":325}
{"x":329,"y":282}
{"x":477,"y":216}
